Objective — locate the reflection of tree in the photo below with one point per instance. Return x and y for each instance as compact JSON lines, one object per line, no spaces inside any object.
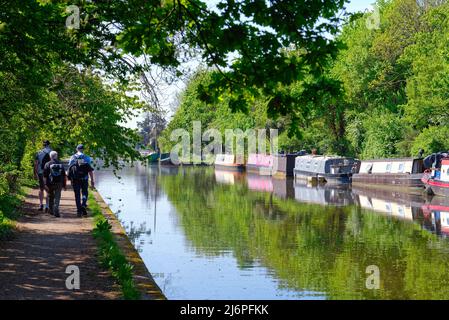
{"x":135,"y":233}
{"x":147,"y":182}
{"x":309,"y":247}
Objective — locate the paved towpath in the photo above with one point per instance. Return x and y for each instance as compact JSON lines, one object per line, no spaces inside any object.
{"x":33,"y":264}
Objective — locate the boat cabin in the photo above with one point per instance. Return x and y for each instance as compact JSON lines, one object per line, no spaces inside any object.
{"x":444,"y":174}
{"x":325,"y":165}
{"x":406,"y":172}
{"x":393,"y":166}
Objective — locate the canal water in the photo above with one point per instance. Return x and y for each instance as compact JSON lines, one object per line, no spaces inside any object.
{"x":206,"y":234}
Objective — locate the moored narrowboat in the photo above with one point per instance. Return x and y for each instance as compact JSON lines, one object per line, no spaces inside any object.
{"x":436,"y":179}
{"x":228,"y":162}
{"x":260,"y":163}
{"x":153,"y":157}
{"x":325,"y":169}
{"x":405,"y":172}
{"x":165,"y":160}
{"x":284,"y":165}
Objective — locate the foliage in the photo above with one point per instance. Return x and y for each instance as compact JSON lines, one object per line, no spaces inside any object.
{"x":110,"y":254}
{"x":151,"y":127}
{"x":431,"y":140}
{"x":378,"y":97}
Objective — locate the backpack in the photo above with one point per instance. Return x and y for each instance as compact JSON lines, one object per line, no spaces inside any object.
{"x":56,"y":171}
{"x":80,"y":169}
{"x":45,"y":159}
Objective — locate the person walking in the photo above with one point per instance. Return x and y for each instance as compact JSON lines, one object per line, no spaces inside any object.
{"x":42,"y":157}
{"x":80,"y":169}
{"x":55,"y":179}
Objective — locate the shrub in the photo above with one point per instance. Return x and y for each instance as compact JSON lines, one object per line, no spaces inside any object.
{"x":431,"y":140}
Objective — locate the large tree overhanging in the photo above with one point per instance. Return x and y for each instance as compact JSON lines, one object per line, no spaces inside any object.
{"x":247,"y":41}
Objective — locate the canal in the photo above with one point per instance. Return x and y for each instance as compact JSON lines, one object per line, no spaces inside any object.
{"x":206,"y":234}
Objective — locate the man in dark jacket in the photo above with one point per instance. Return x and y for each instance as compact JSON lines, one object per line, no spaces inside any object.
{"x":80,"y":169}
{"x":55,"y":179}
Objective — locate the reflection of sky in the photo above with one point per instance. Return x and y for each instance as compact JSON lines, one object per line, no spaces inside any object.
{"x":177,"y":268}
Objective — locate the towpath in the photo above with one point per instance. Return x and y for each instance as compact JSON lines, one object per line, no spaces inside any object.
{"x":33,"y":265}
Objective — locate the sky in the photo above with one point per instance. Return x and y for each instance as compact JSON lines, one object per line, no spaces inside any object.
{"x":352,"y":6}
{"x":359,"y":5}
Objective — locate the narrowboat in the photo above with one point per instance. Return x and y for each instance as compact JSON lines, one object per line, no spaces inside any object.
{"x":165,"y":160}
{"x":325,"y":169}
{"x":285,"y":165}
{"x":260,"y":163}
{"x":436,"y":180}
{"x":405,"y":172}
{"x":228,"y":162}
{"x":153,"y":157}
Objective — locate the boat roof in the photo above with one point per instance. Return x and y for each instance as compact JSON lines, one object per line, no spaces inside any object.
{"x":322,"y":157}
{"x":392,"y":160}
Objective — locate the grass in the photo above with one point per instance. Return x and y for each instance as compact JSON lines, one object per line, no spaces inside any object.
{"x":9,"y":213}
{"x":110,"y":254}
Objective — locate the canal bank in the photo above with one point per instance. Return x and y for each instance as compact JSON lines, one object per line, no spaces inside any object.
{"x":37,"y":263}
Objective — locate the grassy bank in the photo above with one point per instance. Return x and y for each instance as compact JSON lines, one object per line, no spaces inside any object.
{"x":8,"y":214}
{"x":10,"y":202}
{"x":110,"y":254}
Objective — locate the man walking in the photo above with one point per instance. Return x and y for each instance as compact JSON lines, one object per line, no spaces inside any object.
{"x":80,"y":169}
{"x":42,"y":157}
{"x":55,"y":179}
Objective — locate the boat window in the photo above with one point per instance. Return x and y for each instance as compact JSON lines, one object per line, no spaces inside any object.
{"x":401,"y":168}
{"x":388,"y":169}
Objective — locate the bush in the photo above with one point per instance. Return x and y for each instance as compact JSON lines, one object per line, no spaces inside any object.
{"x":431,"y":140}
{"x":383,"y":132}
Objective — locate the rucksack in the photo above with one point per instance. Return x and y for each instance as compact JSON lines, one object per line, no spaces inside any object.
{"x":56,"y":172}
{"x":80,"y":169}
{"x":45,"y":159}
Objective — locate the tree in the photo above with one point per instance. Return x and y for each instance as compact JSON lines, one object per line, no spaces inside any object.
{"x":150,"y":129}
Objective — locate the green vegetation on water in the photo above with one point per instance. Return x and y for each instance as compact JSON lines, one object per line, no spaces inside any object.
{"x":110,"y":254}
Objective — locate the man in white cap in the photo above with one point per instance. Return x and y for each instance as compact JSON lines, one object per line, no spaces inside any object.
{"x":42,"y":157}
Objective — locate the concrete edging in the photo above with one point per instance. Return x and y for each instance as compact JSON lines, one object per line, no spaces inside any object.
{"x":142,"y":276}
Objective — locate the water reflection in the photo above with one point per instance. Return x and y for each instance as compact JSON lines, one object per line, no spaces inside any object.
{"x":207,"y":234}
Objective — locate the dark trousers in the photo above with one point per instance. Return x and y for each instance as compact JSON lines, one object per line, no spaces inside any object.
{"x":81,"y":189}
{"x":54,"y":195}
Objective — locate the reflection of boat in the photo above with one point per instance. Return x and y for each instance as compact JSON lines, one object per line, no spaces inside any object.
{"x":437,"y":179}
{"x":325,"y":169}
{"x":284,"y":188}
{"x":438,"y":211}
{"x":260,"y":163}
{"x":260,"y":183}
{"x":228,"y":162}
{"x":398,"y":204}
{"x":169,"y":170}
{"x":323,"y":195}
{"x":401,"y":172}
{"x":227,"y":177}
